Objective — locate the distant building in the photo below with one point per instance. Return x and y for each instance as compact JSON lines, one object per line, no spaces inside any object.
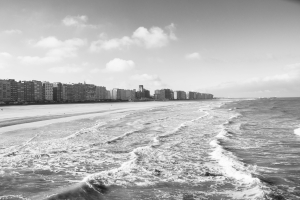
{"x":28,"y":91}
{"x":122,"y":94}
{"x":179,"y":95}
{"x":37,"y":90}
{"x":70,"y":92}
{"x":101,"y":93}
{"x":64,"y":96}
{"x":5,"y":92}
{"x":57,"y":92}
{"x":47,"y":91}
{"x":143,"y":93}
{"x":116,"y":94}
{"x":90,"y":92}
{"x":21,"y":92}
{"x":13,"y":90}
{"x":79,"y":92}
{"x":108,"y":94}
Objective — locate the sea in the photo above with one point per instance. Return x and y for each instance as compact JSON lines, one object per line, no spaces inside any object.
{"x":185,"y":150}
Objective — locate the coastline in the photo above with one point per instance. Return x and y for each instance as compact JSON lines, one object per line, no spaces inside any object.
{"x":14,"y":117}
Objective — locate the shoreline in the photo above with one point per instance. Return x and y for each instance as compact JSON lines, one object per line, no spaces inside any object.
{"x":16,"y":119}
{"x":100,"y":102}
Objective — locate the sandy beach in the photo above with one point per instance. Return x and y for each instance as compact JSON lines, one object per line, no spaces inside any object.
{"x":20,"y":117}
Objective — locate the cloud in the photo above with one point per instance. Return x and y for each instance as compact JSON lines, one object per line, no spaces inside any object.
{"x":286,"y":84}
{"x":151,"y":80}
{"x":115,"y":43}
{"x":193,"y":56}
{"x":145,"y":77}
{"x":56,"y":50}
{"x":5,"y":60}
{"x":12,"y":31}
{"x":119,"y":65}
{"x":155,"y":37}
{"x":77,"y":21}
{"x":66,"y":69}
{"x":5,"y":55}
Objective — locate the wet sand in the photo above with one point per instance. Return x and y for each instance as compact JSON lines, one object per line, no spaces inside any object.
{"x":19,"y":117}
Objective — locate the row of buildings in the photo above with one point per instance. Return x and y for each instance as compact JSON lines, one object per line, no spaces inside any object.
{"x":12,"y":91}
{"x":167,"y":94}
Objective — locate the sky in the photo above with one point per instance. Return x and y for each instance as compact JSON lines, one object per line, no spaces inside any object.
{"x":230,"y":48}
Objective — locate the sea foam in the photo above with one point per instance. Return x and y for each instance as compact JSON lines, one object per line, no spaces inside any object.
{"x":297,"y":131}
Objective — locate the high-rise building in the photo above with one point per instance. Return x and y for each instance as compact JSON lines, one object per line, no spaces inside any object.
{"x":64,"y":93}
{"x":38,"y":90}
{"x":116,"y":94}
{"x":108,"y":95}
{"x":57,"y":91}
{"x":165,"y":94}
{"x":90,"y":92}
{"x":100,"y":93}
{"x":21,"y":92}
{"x":47,"y":91}
{"x":13,"y":90}
{"x":28,"y":91}
{"x":122,"y":94}
{"x":5,"y":91}
{"x":79,"y":92}
{"x":70,"y":92}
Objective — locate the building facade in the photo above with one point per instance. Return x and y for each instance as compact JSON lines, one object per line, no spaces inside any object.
{"x":47,"y":91}
{"x":38,"y":90}
{"x":5,"y":91}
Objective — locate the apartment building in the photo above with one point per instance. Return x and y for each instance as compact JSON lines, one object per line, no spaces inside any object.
{"x":90,"y":92}
{"x":5,"y":91}
{"x":47,"y":91}
{"x":38,"y":90}
{"x":21,"y":91}
{"x":28,"y":91}
{"x":57,"y":92}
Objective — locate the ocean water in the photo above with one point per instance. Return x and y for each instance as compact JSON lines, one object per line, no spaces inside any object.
{"x":215,"y":149}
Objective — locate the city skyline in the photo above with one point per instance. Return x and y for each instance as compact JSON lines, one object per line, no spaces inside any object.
{"x":35,"y":91}
{"x":227,"y":48}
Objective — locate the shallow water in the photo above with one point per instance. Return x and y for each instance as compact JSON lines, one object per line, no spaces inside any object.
{"x":219,"y":149}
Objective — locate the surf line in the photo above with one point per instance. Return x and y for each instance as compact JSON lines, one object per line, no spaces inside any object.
{"x":113,"y":176}
{"x":297,"y":131}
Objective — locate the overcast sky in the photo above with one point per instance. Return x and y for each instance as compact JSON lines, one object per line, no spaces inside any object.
{"x":230,"y":48}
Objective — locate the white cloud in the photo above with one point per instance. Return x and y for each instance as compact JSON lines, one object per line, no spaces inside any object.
{"x":115,"y":43}
{"x":49,"y":42}
{"x":56,"y":50}
{"x":193,"y":56}
{"x":12,"y":31}
{"x":155,"y":37}
{"x":172,"y":28}
{"x":77,"y":21}
{"x":6,"y":55}
{"x":286,"y":84}
{"x":145,"y":77}
{"x":152,"y":81}
{"x":64,"y":70}
{"x":119,"y":65}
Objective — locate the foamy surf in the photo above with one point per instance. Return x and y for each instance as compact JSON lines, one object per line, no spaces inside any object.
{"x":297,"y":131}
{"x":231,"y":167}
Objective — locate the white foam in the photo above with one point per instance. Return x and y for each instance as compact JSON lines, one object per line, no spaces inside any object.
{"x":222,"y":134}
{"x":85,"y":130}
{"x":121,"y":136}
{"x":231,"y":167}
{"x":123,"y":175}
{"x":297,"y":131}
